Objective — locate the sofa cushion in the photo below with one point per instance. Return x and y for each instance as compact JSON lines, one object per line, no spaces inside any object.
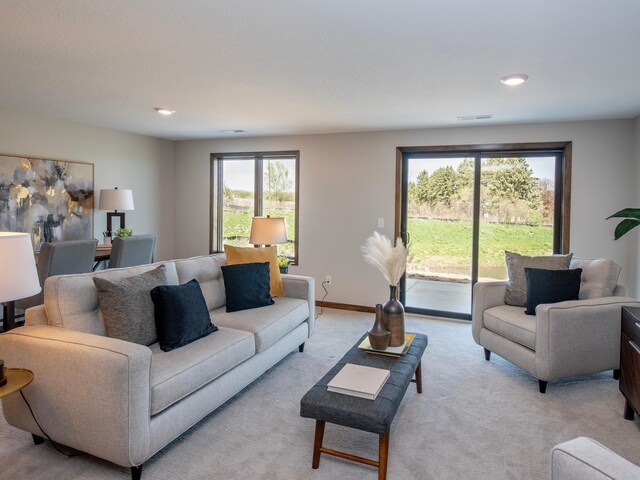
{"x":247,"y":286}
{"x":126,"y":306}
{"x":516,"y":293}
{"x":205,"y":269}
{"x":71,"y":301}
{"x":599,"y":277}
{"x":551,"y":286}
{"x":177,"y":373}
{"x":239,"y":255}
{"x":181,"y":315}
{"x":512,"y":323}
{"x":270,"y":323}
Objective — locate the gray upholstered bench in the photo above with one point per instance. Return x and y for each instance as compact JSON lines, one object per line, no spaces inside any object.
{"x":371,"y":416}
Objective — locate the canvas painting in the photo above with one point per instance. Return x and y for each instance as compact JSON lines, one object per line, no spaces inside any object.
{"x":52,"y":200}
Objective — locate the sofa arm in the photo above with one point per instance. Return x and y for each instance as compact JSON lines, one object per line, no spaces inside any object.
{"x":485,"y":295}
{"x":89,"y":392}
{"x":585,"y":459}
{"x":298,"y":286}
{"x":579,"y":337}
{"x":35,"y":316}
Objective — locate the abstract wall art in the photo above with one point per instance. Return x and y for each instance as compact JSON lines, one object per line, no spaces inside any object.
{"x":51,"y":199}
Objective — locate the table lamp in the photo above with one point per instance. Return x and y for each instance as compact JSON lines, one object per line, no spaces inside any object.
{"x":114,"y":199}
{"x":268,"y":231}
{"x":18,"y":275}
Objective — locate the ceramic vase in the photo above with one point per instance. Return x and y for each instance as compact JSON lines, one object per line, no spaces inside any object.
{"x":393,"y":317}
{"x":379,"y":335}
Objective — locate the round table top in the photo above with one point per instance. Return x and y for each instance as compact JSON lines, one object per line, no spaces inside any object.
{"x":17,"y":379}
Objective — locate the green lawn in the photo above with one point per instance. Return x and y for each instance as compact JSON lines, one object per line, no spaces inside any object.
{"x":439,"y":248}
{"x":237,"y":227}
{"x":442,"y":246}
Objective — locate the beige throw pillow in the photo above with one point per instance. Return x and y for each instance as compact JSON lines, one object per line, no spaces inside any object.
{"x":516,"y":293}
{"x":599,"y":277}
{"x":127,"y":308}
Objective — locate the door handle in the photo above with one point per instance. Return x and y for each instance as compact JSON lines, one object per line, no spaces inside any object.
{"x":406,"y":238}
{"x":634,"y":346}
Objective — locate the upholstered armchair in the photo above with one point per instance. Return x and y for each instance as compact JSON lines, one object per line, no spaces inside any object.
{"x":585,"y":459}
{"x":576,"y":337}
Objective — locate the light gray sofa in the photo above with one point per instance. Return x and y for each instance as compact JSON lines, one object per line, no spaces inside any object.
{"x":122,"y":401}
{"x":576,"y":337}
{"x":585,"y":459}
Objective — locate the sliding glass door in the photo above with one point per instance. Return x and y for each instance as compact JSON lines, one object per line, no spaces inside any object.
{"x":460,"y":210}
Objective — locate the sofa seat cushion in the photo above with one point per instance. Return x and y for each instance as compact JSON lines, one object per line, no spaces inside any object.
{"x":269,"y":324}
{"x":177,"y":373}
{"x":512,"y":323}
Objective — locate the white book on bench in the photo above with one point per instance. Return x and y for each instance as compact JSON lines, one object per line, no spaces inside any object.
{"x":359,"y":381}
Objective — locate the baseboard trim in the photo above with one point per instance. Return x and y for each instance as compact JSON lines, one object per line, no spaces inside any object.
{"x":346,"y":306}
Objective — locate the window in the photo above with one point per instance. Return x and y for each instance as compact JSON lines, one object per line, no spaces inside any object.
{"x":244,"y":185}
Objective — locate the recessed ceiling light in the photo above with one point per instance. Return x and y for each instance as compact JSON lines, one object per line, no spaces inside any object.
{"x":231,"y":131}
{"x":164,"y":111}
{"x":516,"y":79}
{"x":486,"y":116}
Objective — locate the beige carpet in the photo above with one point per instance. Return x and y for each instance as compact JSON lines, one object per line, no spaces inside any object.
{"x":475,"y":419}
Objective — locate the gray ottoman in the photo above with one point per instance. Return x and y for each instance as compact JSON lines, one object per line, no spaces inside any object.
{"x":369,"y":415}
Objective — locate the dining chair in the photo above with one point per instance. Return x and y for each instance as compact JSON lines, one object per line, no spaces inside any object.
{"x":61,"y":258}
{"x":132,"y":251}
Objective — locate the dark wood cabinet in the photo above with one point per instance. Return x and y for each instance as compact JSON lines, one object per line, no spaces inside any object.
{"x":630,"y":360}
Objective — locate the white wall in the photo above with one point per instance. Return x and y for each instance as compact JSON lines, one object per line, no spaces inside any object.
{"x":347,"y":181}
{"x":125,"y":160}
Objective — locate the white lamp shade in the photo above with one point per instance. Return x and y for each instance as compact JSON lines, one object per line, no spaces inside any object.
{"x":116,"y":199}
{"x":268,"y":231}
{"x":18,"y":275}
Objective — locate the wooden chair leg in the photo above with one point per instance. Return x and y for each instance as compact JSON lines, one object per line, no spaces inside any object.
{"x":136,"y":472}
{"x":301,"y":347}
{"x":487,"y":354}
{"x":543,"y":386}
{"x":616,"y":374}
{"x":383,"y":456}
{"x":37,"y":439}
{"x":317,"y":444}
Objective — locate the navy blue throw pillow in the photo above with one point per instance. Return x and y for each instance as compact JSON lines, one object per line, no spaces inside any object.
{"x":181,"y":314}
{"x":551,"y":286}
{"x":247,"y":286}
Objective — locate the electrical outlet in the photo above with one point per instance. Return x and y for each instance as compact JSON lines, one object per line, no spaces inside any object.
{"x":380,"y":222}
{"x":327,"y":280}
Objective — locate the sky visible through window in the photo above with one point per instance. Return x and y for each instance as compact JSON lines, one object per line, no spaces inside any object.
{"x":543,"y":167}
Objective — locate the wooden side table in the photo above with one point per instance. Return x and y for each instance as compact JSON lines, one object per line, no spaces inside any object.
{"x":17,"y":379}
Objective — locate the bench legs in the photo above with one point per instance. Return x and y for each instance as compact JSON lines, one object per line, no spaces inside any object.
{"x":383,"y":452}
{"x":418,"y":379}
{"x":317,"y":444}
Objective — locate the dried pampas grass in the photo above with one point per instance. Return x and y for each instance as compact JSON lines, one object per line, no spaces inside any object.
{"x":391,"y":261}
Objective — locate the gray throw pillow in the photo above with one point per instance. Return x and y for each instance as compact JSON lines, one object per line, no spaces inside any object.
{"x":127,"y":308}
{"x":517,"y":285}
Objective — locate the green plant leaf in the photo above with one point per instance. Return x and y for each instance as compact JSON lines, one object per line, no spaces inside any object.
{"x":624,"y":226}
{"x":626,"y":213}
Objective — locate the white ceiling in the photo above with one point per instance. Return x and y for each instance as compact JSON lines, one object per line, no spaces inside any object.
{"x":275,"y":67}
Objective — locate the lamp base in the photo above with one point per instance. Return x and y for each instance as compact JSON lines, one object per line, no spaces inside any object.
{"x":110,"y":216}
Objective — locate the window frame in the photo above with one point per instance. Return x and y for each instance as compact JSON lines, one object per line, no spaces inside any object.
{"x":562,"y":214}
{"x":216,"y":190}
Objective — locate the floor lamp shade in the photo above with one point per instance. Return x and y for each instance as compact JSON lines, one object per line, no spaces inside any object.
{"x":18,"y":275}
{"x":268,"y":231}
